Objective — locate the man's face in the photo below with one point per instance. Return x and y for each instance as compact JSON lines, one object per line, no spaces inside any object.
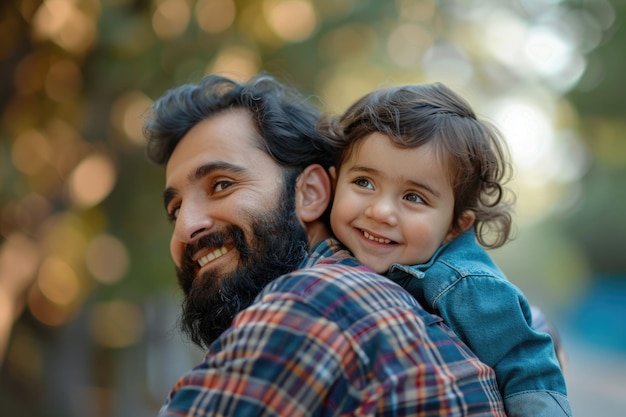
{"x":235,"y":226}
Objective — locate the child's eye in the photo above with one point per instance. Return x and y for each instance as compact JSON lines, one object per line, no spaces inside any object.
{"x":414,"y":198}
{"x":363,"y":182}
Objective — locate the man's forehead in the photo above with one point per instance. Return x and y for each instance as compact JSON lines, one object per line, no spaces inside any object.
{"x":226,"y":137}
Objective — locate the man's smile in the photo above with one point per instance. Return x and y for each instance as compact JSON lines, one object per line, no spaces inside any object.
{"x":212,"y":256}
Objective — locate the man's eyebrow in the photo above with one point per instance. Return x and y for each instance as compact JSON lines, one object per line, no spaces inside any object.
{"x":201,"y":172}
{"x":210,"y":167}
{"x":168,"y":195}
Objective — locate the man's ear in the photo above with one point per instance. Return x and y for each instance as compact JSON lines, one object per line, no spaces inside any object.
{"x":313,"y":193}
{"x":467,"y":219}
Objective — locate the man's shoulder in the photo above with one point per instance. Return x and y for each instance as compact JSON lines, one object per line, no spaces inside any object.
{"x":327,"y":279}
{"x":343,"y":292}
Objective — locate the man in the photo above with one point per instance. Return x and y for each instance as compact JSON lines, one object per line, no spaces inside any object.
{"x":247,"y":189}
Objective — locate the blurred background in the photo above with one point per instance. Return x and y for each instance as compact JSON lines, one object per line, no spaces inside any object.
{"x":88,"y":299}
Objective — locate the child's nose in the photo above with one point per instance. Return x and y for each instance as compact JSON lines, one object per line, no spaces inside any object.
{"x":383,"y":210}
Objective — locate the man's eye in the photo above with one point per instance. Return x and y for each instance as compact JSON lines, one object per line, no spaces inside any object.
{"x":363,"y":182}
{"x":413,"y":198}
{"x":172,"y":215}
{"x":222,"y":185}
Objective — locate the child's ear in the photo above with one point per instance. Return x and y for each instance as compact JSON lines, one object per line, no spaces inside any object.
{"x":466,"y":220}
{"x":313,"y":193}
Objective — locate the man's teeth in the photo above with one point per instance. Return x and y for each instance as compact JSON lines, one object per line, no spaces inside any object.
{"x":211,"y":256}
{"x":375,"y":239}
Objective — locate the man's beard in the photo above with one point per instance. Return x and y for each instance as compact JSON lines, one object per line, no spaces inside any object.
{"x":278,"y":245}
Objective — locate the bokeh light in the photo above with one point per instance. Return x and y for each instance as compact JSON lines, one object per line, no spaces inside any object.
{"x":57,"y":281}
{"x":66,"y":24}
{"x":292,"y":20}
{"x":240,"y":63}
{"x":170,"y":19}
{"x":445,"y":62}
{"x":19,"y":259}
{"x":46,"y":311}
{"x":214,"y":16}
{"x":31,"y":152}
{"x":107,"y":259}
{"x":407,"y":43}
{"x":92,"y":180}
{"x":64,"y":235}
{"x":529,"y":130}
{"x":127,"y":115}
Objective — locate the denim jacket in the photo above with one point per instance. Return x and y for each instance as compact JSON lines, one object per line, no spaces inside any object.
{"x":463,"y":285}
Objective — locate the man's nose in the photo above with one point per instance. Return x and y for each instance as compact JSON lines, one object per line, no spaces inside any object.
{"x":383,"y":210}
{"x":194,"y":220}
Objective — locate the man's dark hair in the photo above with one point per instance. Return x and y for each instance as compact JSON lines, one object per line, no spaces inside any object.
{"x":285,"y":120}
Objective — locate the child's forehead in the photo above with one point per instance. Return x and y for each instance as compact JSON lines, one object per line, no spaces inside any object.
{"x":437,"y":154}
{"x":399,"y":168}
{"x":385,"y":140}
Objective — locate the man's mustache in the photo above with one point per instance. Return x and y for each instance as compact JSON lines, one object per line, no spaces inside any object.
{"x":213,"y":240}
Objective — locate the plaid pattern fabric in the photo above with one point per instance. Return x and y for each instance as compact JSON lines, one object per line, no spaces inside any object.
{"x":335,"y":339}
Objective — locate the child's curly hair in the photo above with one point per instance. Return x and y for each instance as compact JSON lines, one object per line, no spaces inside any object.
{"x":474,"y":151}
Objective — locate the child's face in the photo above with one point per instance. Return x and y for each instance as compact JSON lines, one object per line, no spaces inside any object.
{"x":392,"y":205}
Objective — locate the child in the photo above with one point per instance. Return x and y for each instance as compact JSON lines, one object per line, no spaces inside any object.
{"x":419,"y":186}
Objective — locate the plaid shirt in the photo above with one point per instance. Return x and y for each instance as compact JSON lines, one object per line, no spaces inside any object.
{"x":335,"y":339}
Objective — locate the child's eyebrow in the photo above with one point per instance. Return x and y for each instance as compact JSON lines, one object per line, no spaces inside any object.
{"x":425,"y":187}
{"x":363,"y":168}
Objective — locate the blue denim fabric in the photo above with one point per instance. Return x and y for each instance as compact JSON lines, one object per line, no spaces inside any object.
{"x":463,"y":285}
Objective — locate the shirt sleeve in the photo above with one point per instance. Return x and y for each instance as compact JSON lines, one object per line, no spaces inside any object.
{"x":276,"y":359}
{"x":493,"y":317}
